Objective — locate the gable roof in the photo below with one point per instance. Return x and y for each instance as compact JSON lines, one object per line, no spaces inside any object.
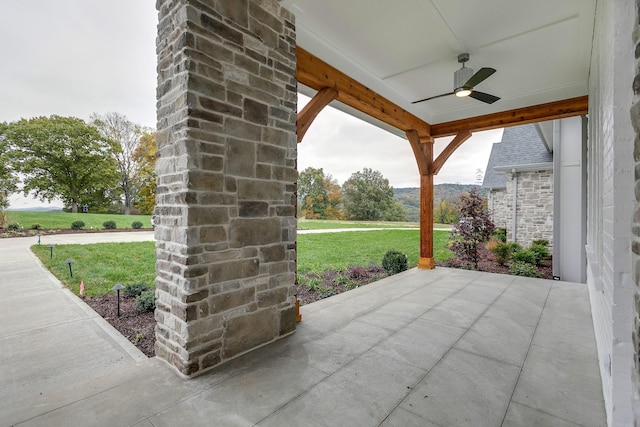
{"x":520,"y":145}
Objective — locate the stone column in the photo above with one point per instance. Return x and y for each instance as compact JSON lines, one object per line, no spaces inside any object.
{"x":226,"y":230}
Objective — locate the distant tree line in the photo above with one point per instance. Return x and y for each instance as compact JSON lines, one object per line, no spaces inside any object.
{"x":106,"y":164}
{"x":366,"y":195}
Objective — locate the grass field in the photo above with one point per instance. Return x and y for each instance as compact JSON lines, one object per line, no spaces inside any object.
{"x":59,"y":220}
{"x":101,"y":266}
{"x":325,"y":224}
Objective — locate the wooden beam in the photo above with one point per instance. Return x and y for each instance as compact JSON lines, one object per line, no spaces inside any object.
{"x":449,"y":150}
{"x":317,"y":74}
{"x":416,"y":146}
{"x":536,"y":113}
{"x":311,"y":110}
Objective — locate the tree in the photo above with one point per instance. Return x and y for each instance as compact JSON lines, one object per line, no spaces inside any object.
{"x":318,"y":195}
{"x":367,"y":195}
{"x":8,"y":180}
{"x":146,"y":154}
{"x":475,"y":227}
{"x":124,"y":136}
{"x":62,"y":157}
{"x":445,"y":212}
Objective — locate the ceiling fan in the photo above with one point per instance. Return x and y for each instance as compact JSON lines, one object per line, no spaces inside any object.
{"x":464,"y":80}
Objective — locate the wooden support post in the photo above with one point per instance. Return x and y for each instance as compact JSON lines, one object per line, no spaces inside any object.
{"x":423,"y":151}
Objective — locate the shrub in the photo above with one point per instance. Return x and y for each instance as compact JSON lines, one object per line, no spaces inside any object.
{"x":109,"y":225}
{"x":527,"y":255}
{"x":136,"y":225}
{"x":541,"y":242}
{"x":36,"y":226}
{"x":394,"y":262}
{"x":541,"y":252}
{"x":500,"y":234}
{"x":14,"y":226}
{"x":520,"y":268}
{"x":146,"y":301}
{"x":502,"y":252}
{"x":77,"y":225}
{"x":514,"y":247}
{"x":475,"y":227}
{"x":135,"y":289}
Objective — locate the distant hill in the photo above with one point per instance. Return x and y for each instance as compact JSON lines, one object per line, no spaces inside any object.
{"x":37,"y":209}
{"x":410,"y":197}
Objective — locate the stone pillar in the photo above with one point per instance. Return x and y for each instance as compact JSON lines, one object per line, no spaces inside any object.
{"x":226,"y":230}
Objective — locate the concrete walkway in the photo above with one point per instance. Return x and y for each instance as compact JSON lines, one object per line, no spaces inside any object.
{"x":422,"y":348}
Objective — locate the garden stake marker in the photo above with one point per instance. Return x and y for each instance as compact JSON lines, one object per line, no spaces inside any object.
{"x":82,"y":288}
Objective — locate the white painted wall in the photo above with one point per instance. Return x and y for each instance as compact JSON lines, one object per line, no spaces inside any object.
{"x":569,"y":174}
{"x":610,"y":202}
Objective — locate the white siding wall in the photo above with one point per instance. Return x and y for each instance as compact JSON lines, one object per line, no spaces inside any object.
{"x":610,"y":195}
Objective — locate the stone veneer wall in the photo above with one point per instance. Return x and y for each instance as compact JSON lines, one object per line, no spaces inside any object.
{"x":498,"y":207}
{"x":534,"y":210}
{"x":226,"y":232}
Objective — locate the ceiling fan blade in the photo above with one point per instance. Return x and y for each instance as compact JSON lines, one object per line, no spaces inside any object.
{"x":433,"y":97}
{"x":478,"y":77}
{"x":484,"y":97}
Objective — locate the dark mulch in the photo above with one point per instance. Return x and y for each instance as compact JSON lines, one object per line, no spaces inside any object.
{"x":488,"y":263}
{"x":136,"y":325}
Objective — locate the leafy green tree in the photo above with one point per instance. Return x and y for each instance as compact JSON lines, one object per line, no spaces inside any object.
{"x":62,"y":157}
{"x":318,"y":195}
{"x":146,"y":154}
{"x":8,"y":179}
{"x":367,"y":195}
{"x":445,"y":212}
{"x":124,"y":136}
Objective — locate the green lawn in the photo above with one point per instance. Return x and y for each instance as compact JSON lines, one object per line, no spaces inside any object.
{"x":103,"y":265}
{"x":58,"y":220}
{"x":324,"y":224}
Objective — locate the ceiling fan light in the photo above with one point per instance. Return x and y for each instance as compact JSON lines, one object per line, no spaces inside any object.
{"x":461,"y":92}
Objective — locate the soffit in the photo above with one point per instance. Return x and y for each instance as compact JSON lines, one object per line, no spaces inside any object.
{"x":407,"y":49}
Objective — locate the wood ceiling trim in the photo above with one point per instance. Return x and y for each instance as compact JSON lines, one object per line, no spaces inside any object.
{"x":537,"y":113}
{"x":317,"y":74}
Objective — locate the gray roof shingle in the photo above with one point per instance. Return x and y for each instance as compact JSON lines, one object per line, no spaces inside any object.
{"x":520,"y":145}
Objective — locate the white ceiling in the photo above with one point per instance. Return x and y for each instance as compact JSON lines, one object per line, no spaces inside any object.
{"x":407,"y":49}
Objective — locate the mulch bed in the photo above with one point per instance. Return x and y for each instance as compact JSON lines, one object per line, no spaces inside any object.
{"x":136,"y":325}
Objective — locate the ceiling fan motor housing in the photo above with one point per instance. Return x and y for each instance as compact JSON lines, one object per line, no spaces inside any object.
{"x":462,"y":76}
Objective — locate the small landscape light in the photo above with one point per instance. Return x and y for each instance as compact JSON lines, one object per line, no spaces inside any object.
{"x":117,"y":289}
{"x":50,"y":250}
{"x":69,"y":262}
{"x":38,"y":238}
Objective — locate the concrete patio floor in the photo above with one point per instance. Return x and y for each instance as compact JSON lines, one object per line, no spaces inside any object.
{"x":422,"y":348}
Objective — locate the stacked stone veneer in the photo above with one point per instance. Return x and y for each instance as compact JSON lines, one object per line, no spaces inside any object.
{"x":534,"y":209}
{"x":498,"y":207}
{"x":226,"y":242}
